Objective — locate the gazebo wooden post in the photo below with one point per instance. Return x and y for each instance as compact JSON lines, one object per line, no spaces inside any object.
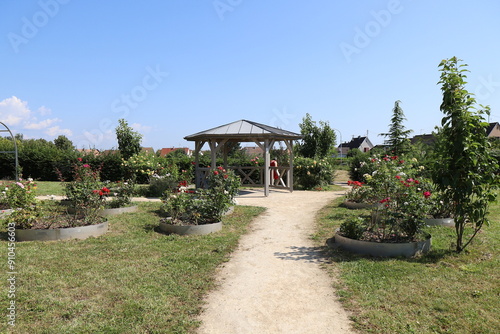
{"x":197,"y":148}
{"x":289,"y":181}
{"x":213,"y":154}
{"x":267,"y":168}
{"x":225,"y":151}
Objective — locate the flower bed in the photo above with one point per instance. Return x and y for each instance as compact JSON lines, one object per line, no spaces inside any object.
{"x":185,"y":207}
{"x":403,"y":201}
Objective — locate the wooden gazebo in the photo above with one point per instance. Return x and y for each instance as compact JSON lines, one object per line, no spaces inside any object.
{"x":222,"y":137}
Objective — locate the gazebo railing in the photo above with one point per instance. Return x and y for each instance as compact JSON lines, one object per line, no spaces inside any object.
{"x":251,"y":176}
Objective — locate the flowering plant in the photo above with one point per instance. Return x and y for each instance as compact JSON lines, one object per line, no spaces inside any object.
{"x":310,"y":173}
{"x":19,"y":194}
{"x":404,"y":199}
{"x":359,"y":193}
{"x":402,"y":212}
{"x":205,"y":205}
{"x":86,"y":192}
{"x":122,"y":192}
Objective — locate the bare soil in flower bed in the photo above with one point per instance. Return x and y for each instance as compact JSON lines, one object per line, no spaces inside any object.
{"x":63,"y":221}
{"x":379,"y":236}
{"x":4,"y":206}
{"x":181,"y":222}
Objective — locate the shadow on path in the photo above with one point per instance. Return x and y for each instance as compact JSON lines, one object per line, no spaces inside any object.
{"x":306,"y":254}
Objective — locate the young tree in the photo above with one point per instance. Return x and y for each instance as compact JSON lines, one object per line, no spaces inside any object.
{"x":129,"y":141}
{"x":318,"y":141}
{"x":398,"y":135}
{"x":464,"y":169}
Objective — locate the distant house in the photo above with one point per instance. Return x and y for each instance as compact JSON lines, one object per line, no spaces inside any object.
{"x":361,"y":143}
{"x":94,"y":151}
{"x":147,"y":150}
{"x":253,"y":151}
{"x":165,"y":151}
{"x":427,"y":139}
{"x":493,"y":130}
{"x":108,"y":152}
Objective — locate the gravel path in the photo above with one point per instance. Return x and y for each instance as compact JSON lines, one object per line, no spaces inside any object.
{"x":273,"y":282}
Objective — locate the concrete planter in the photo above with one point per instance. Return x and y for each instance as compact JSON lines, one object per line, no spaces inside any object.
{"x":439,"y":222}
{"x":380,"y":249}
{"x":190,"y":229}
{"x":356,"y":206}
{"x":229,"y":211}
{"x":69,"y":233}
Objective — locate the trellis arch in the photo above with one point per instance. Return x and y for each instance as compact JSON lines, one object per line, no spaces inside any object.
{"x":15,"y":149}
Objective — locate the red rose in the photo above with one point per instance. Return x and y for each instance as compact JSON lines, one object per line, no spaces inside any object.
{"x":216,"y":172}
{"x":427,"y":194}
{"x":80,"y":159}
{"x":398,"y":177}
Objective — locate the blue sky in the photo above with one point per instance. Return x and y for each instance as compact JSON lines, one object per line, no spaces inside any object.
{"x":173,"y":68}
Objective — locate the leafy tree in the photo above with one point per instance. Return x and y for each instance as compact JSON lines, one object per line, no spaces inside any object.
{"x":129,"y":141}
{"x":318,"y":141}
{"x":63,"y":143}
{"x":398,"y":135}
{"x":464,"y":168}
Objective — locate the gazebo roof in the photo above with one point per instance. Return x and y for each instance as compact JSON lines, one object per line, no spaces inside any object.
{"x":242,"y":131}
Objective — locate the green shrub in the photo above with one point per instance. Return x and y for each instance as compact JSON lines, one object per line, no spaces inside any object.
{"x":310,"y":173}
{"x":353,"y":228}
{"x":358,"y":165}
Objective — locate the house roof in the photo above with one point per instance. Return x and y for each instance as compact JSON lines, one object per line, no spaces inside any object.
{"x":166,"y":150}
{"x":356,"y":142}
{"x":491,"y":127}
{"x":244,"y":130}
{"x":428,"y":139}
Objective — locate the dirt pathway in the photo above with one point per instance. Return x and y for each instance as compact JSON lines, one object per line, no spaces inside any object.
{"x":273,"y":282}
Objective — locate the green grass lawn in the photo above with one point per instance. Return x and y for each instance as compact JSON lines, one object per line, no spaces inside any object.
{"x":49,"y":188}
{"x":44,"y":187}
{"x":441,"y":292}
{"x":131,"y":280}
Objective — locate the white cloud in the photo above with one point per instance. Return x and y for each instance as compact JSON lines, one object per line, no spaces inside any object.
{"x":44,"y":111}
{"x":141,"y":128}
{"x":42,"y":124}
{"x":15,"y":112}
{"x":56,"y":131}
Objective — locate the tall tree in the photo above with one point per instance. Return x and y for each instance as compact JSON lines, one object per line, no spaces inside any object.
{"x":398,"y":140}
{"x":129,"y":141}
{"x":464,"y":168}
{"x":63,"y":143}
{"x":318,"y":141}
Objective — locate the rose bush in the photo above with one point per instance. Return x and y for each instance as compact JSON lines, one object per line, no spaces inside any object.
{"x":310,"y":173}
{"x":202,"y":206}
{"x":404,"y":200}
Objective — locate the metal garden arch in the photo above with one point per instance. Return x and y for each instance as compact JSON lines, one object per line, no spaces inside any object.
{"x":15,"y":149}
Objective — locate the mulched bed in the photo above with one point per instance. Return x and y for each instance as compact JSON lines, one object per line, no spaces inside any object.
{"x":63,"y":221}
